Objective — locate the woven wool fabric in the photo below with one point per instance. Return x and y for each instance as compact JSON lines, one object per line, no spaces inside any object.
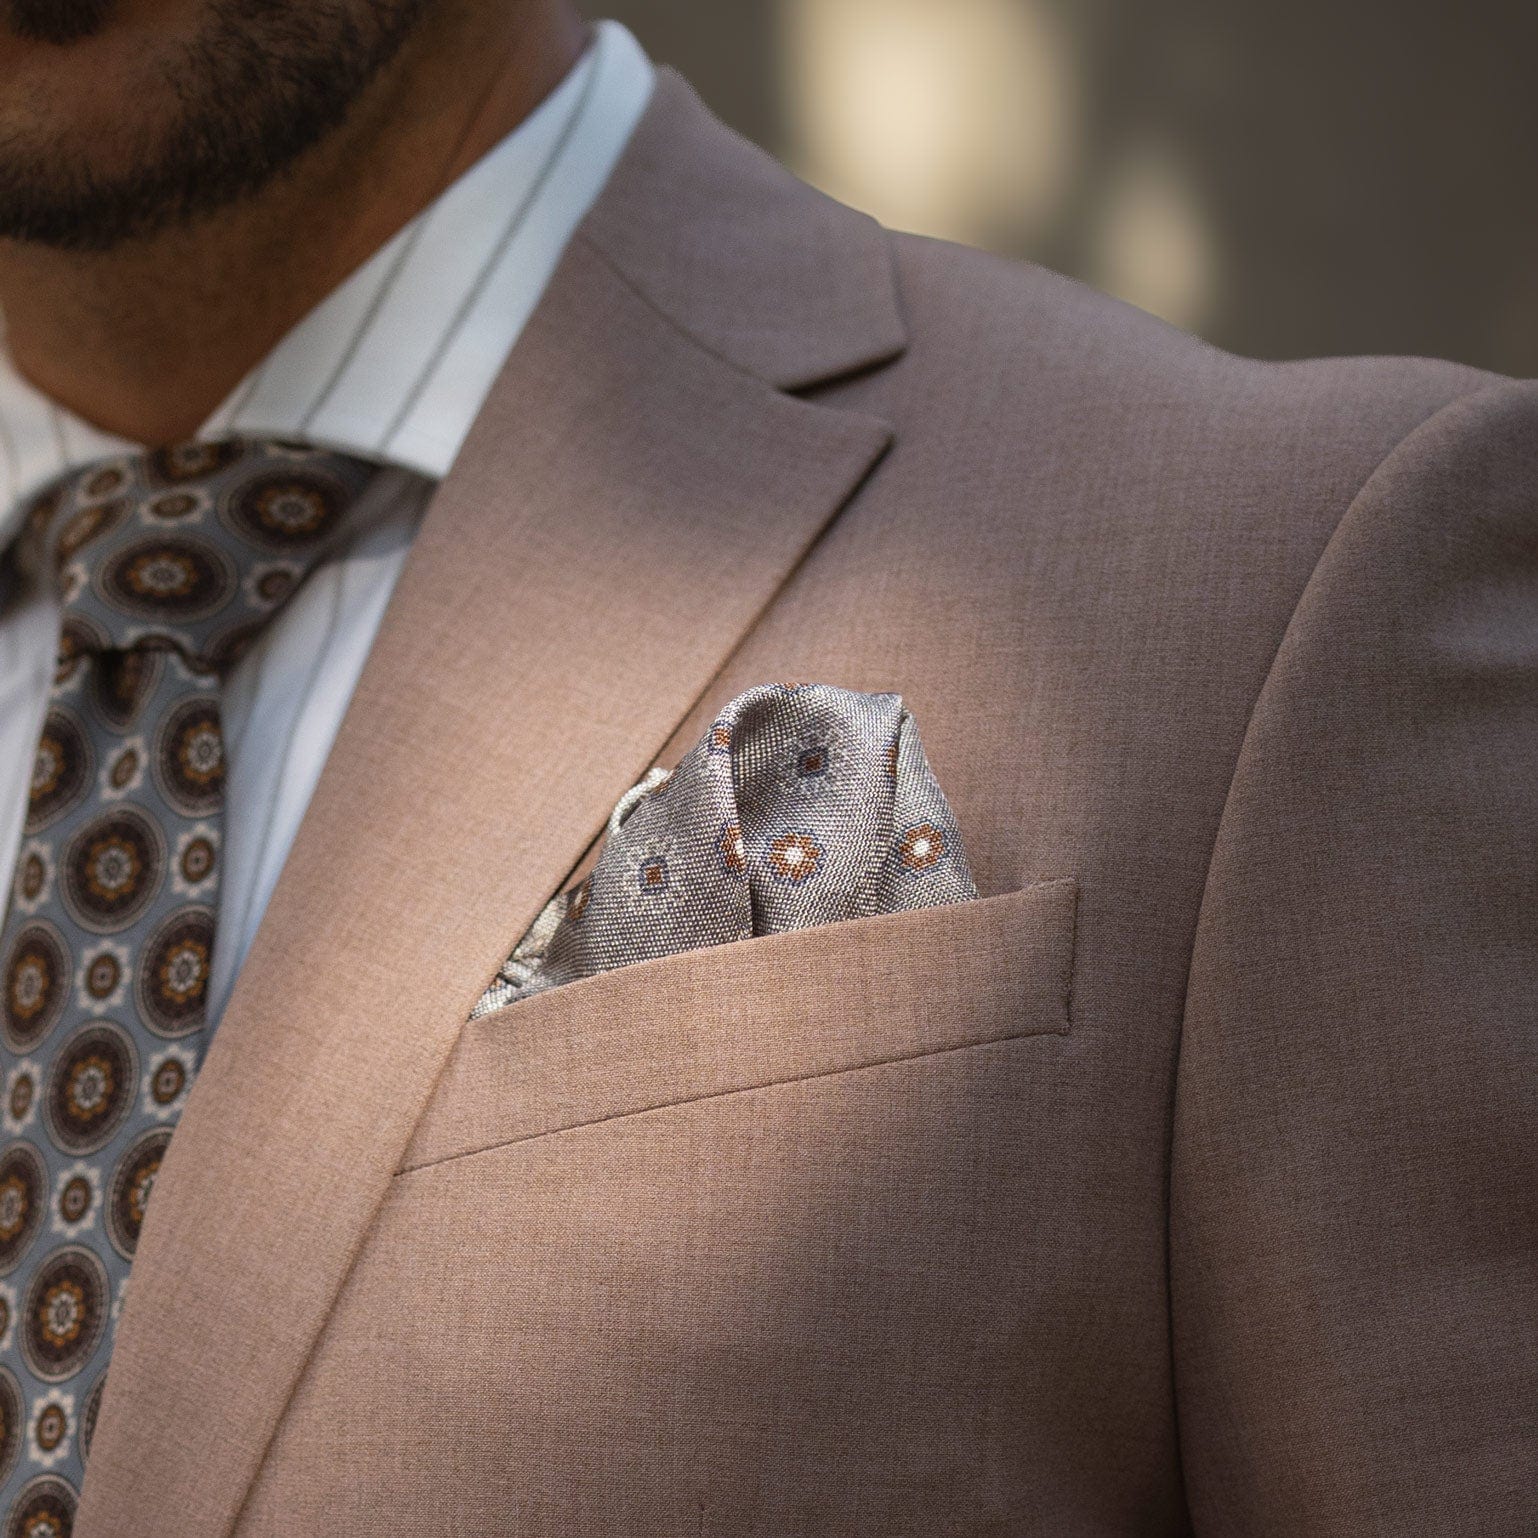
{"x":1185,"y":1193}
{"x":168,"y":565}
{"x":803,"y":804}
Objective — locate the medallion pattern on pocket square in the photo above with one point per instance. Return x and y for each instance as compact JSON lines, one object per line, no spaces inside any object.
{"x":803,"y":804}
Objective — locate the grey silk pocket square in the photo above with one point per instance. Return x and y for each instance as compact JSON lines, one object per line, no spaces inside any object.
{"x":803,"y":804}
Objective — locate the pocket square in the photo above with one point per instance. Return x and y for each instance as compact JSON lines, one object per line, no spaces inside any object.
{"x":804,"y":804}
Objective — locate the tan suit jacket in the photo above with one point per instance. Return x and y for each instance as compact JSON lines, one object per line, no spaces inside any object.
{"x":1184,"y":1181}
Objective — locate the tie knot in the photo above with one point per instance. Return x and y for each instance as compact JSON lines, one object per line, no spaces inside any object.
{"x":191,"y":549}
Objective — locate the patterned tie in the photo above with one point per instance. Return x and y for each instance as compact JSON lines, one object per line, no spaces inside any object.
{"x":803,"y":804}
{"x":169,"y":564}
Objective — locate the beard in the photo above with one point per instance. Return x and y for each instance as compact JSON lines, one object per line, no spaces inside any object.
{"x":55,"y":21}
{"x":260,"y":83}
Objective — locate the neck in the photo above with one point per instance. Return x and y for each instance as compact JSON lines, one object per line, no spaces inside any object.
{"x":121,"y":338}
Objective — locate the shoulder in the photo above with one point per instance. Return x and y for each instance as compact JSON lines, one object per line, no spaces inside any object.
{"x":1018,"y":340}
{"x":1010,"y":390}
{"x":1036,"y":399}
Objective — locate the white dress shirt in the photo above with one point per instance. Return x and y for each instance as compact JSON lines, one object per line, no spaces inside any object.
{"x":394,"y":365}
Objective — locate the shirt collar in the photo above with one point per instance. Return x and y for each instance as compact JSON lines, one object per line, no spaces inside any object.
{"x":396,"y":361}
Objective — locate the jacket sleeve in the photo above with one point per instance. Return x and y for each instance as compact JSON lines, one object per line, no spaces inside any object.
{"x":1354,"y":1172}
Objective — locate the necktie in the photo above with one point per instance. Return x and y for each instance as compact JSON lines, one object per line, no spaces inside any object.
{"x":803,"y":804}
{"x":168,"y":565}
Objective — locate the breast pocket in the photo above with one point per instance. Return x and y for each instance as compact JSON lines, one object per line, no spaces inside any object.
{"x":769,"y":1010}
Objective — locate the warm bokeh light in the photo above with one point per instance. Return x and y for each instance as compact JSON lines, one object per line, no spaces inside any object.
{"x":1151,"y":242}
{"x":959,"y":118}
{"x":1285,"y":177}
{"x":949,"y":117}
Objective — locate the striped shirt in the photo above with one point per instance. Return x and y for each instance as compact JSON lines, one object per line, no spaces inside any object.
{"x":394,"y":364}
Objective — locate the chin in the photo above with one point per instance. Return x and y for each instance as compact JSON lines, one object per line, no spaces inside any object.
{"x":87,"y":99}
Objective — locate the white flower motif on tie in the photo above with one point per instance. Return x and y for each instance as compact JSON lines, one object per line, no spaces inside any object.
{"x":21,"y":1090}
{"x":72,"y":581}
{"x":76,"y":1196}
{"x":102,"y":978}
{"x":50,"y":1427}
{"x":123,"y":773}
{"x":34,"y":876}
{"x":195,"y":869}
{"x":163,"y":1091}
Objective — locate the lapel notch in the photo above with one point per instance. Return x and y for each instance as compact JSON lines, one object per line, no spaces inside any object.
{"x":762,"y":269}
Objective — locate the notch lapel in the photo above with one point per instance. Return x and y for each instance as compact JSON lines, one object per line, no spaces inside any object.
{"x":627,"y":505}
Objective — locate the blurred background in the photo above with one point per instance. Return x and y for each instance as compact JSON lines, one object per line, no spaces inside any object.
{"x":1287,"y":178}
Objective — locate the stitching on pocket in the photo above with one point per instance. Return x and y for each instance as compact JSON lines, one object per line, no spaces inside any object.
{"x":719,"y":1094}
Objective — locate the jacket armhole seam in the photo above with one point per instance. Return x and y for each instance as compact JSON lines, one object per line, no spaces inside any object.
{"x":1461,"y":398}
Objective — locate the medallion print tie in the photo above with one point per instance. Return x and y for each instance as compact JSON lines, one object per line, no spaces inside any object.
{"x":168,"y":565}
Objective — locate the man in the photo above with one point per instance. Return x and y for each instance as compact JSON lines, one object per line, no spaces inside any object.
{"x":1179,"y":1180}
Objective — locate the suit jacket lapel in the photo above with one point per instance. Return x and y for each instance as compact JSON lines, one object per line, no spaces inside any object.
{"x":627,"y":505}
